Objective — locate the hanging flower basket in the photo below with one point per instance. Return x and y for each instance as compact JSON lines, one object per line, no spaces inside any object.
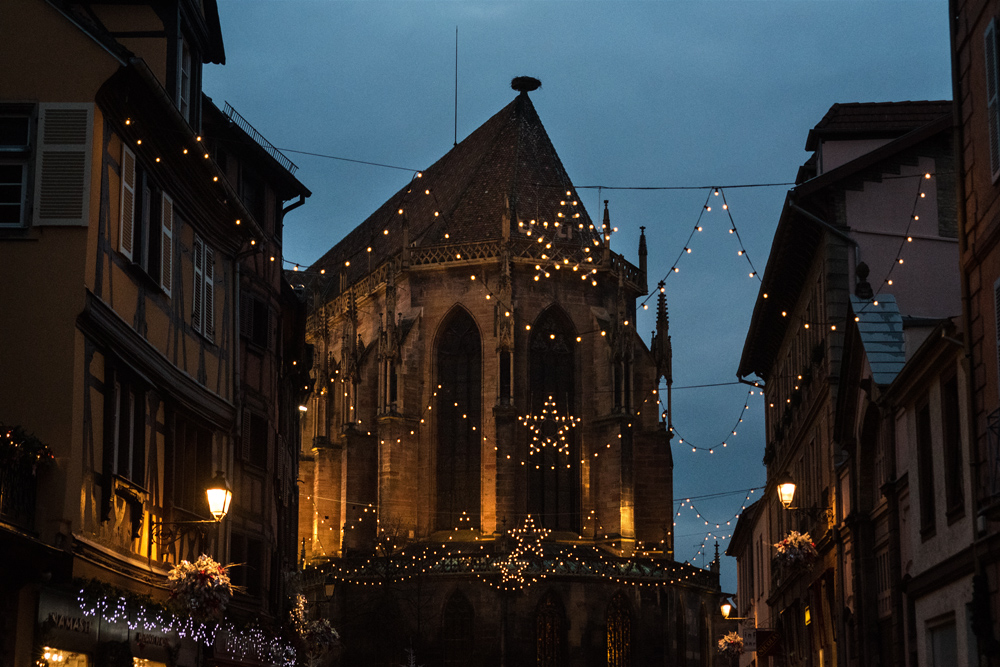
{"x":319,"y":637}
{"x":796,"y":549}
{"x":200,"y":590}
{"x":731,"y":645}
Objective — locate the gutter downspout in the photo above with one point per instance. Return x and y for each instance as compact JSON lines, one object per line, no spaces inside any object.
{"x":293,"y":206}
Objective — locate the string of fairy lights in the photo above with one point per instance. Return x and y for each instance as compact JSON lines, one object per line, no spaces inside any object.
{"x":242,"y":643}
{"x":545,"y":271}
{"x":536,"y":229}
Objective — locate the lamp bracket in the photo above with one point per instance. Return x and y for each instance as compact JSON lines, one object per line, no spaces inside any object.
{"x":166,"y":533}
{"x":814,"y":512}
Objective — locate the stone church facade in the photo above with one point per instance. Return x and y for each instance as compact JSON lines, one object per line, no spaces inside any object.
{"x":486,"y":475}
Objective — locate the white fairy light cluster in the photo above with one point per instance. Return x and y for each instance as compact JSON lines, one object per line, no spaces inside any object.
{"x":244,"y":643}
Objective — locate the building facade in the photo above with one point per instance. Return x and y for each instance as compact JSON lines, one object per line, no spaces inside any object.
{"x":125,"y":247}
{"x":861,"y":271}
{"x":485,"y":460}
{"x":975,"y":78}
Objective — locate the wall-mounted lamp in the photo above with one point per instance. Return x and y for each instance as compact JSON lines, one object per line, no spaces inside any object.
{"x":786,"y":492}
{"x":219,"y":495}
{"x":727,"y":609}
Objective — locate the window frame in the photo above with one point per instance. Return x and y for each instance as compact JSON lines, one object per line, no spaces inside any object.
{"x":20,"y":154}
{"x":203,"y":289}
{"x":991,"y":54}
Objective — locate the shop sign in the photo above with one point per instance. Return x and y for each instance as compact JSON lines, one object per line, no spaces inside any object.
{"x":768,"y":642}
{"x":152,"y":645}
{"x":63,"y":625}
{"x":749,"y":639}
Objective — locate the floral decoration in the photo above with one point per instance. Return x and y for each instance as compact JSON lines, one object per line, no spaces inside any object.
{"x":731,"y":645}
{"x":319,"y":637}
{"x":796,"y":549}
{"x":200,"y":590}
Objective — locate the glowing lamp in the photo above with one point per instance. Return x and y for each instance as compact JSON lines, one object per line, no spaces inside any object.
{"x":786,"y":490}
{"x":220,"y":494}
{"x":727,"y":608}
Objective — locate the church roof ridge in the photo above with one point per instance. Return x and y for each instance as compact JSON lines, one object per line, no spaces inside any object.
{"x":507,"y":165}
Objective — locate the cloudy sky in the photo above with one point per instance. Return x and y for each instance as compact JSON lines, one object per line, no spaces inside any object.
{"x":634,"y":95}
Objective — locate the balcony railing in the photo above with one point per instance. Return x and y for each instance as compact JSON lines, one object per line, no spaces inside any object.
{"x":17,"y":496}
{"x":244,"y":125}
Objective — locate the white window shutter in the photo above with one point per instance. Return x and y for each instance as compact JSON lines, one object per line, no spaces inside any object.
{"x":62,"y":164}
{"x":198,"y":286}
{"x":209,"y":316}
{"x":992,"y":95}
{"x":167,"y":244}
{"x":126,"y":222}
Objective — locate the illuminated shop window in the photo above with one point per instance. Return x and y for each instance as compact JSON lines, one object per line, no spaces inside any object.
{"x":54,"y":657}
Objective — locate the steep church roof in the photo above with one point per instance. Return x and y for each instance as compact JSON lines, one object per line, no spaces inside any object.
{"x":506,"y":167}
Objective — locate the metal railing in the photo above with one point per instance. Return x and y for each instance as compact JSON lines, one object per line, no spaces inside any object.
{"x":244,"y":125}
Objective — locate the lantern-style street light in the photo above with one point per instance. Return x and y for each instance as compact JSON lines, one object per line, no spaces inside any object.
{"x":219,"y":494}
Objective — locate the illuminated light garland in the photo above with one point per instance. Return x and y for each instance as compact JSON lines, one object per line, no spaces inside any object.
{"x":548,"y":420}
{"x":722,"y":443}
{"x":244,"y":643}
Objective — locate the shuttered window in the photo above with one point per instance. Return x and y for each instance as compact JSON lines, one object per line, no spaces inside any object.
{"x":198,"y":285}
{"x":992,"y":96}
{"x":62,"y":166}
{"x":167,"y":244}
{"x":203,"y":297}
{"x":126,"y":228}
{"x":996,"y":320}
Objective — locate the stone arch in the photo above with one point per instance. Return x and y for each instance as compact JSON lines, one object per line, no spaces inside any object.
{"x":554,"y":473}
{"x":619,"y":631}
{"x":550,"y":631}
{"x":458,"y":419}
{"x":457,"y":631}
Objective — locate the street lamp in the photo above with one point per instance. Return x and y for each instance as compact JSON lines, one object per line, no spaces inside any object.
{"x":727,"y":608}
{"x":786,"y":492}
{"x":219,"y":495}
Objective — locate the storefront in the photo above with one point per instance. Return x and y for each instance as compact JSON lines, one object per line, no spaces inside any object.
{"x":72,"y":634}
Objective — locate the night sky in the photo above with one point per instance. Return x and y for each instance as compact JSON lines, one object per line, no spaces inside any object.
{"x":634,"y":95}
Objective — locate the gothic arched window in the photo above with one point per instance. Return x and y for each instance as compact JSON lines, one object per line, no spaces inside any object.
{"x":457,"y":632}
{"x":550,"y":626}
{"x":459,"y":407}
{"x":619,"y":632}
{"x":553,"y":469}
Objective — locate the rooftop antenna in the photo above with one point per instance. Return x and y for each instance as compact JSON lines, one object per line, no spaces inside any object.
{"x":456,"y":86}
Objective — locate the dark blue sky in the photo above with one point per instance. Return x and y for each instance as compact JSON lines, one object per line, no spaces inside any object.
{"x":661,"y":93}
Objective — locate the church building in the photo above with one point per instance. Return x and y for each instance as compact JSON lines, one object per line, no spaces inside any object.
{"x":486,"y":474}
